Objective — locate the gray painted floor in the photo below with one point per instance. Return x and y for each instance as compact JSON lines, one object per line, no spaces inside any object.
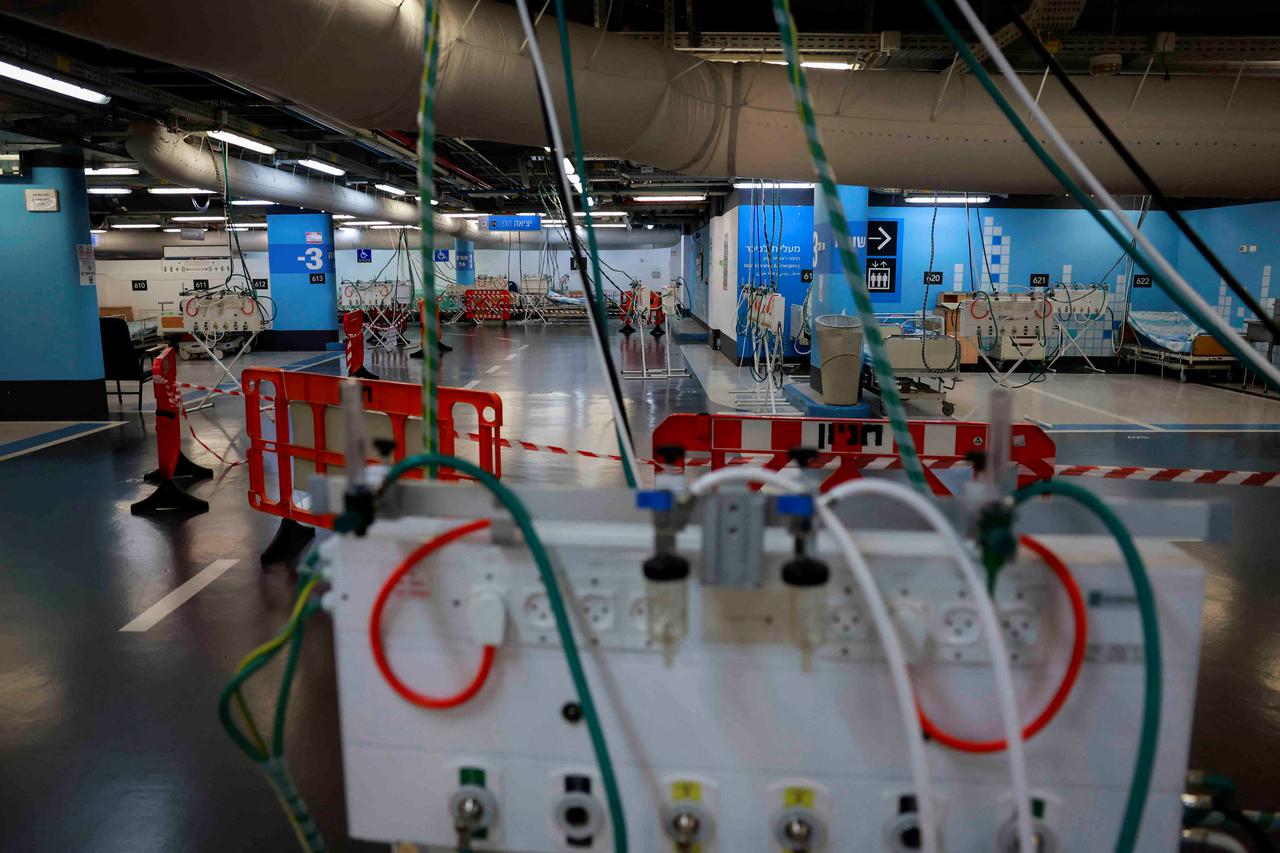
{"x":109,"y":740}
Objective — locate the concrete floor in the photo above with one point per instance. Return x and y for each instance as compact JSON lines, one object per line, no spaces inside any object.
{"x":109,"y":739}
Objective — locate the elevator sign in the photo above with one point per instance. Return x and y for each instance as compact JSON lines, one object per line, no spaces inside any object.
{"x":883,"y":247}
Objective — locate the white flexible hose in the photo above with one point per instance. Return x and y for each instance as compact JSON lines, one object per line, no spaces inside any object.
{"x":715,"y":479}
{"x":898,"y":672}
{"x":990,"y":629}
{"x":1219,"y":326}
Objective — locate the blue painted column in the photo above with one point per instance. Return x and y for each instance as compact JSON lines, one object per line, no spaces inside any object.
{"x":50,"y":350}
{"x":300,"y":254}
{"x":831,"y":294}
{"x":464,"y":261}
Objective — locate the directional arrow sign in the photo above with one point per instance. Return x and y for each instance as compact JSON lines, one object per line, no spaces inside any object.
{"x":882,"y":237}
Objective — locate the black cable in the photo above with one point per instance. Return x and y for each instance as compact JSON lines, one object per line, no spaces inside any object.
{"x":593,"y":306}
{"x":1141,"y":174}
{"x":1258,"y":840}
{"x":924,"y":304}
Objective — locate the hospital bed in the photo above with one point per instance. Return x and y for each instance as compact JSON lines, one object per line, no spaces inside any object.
{"x":925,"y":361}
{"x":1169,"y":339}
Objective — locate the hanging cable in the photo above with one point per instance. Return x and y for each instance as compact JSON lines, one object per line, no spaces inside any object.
{"x":1143,"y":252}
{"x":889,"y":397}
{"x":426,"y":191}
{"x":593,"y":295}
{"x":1152,"y":188}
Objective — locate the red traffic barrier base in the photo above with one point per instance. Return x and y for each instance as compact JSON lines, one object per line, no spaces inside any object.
{"x":353,"y":331}
{"x":169,"y":498}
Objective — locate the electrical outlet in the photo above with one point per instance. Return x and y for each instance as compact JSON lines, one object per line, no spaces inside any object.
{"x":536,"y":610}
{"x":598,"y":610}
{"x":1021,"y":627}
{"x":847,"y":623}
{"x":638,"y":613}
{"x":958,"y":626}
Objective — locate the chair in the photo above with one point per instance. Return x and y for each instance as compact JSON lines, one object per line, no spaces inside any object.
{"x":120,"y":360}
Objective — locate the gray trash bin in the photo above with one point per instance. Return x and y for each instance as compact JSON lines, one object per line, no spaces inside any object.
{"x":840,"y":350}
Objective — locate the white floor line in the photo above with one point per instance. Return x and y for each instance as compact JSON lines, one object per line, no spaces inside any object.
{"x":513,"y":355}
{"x":523,"y":348}
{"x":473,"y":383}
{"x":16,"y":454}
{"x":148,"y":619}
{"x":494,"y":369}
{"x":1093,"y":409}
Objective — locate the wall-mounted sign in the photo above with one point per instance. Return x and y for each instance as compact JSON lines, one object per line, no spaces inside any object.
{"x":442,"y":255}
{"x":1142,"y":281}
{"x":42,"y":201}
{"x":1039,"y":279}
{"x":806,"y":276}
{"x":192,"y":234}
{"x":515,"y":223}
{"x":882,"y":237}
{"x":138,"y":285}
{"x":573,"y":262}
{"x":200,"y":284}
{"x":87,"y":264}
{"x":317,"y":278}
{"x":315,"y":236}
{"x":364,"y":256}
{"x":933,"y":277}
{"x":882,"y":275}
{"x":259,"y":284}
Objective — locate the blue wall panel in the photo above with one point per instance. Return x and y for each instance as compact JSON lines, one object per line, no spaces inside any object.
{"x":53,"y":333}
{"x":1225,"y":230}
{"x":788,"y":230}
{"x":300,"y":251}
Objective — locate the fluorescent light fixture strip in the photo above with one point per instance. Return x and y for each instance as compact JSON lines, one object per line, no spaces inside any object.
{"x":242,"y":141}
{"x":52,"y":84}
{"x":318,"y":166}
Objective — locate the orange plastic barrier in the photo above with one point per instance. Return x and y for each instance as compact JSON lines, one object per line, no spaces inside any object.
{"x":353,"y":331}
{"x":855,"y":444}
{"x":398,"y":401}
{"x":172,"y":462}
{"x":482,"y":303}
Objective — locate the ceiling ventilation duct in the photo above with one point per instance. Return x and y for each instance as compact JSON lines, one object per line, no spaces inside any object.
{"x":167,"y":154}
{"x":359,"y":62}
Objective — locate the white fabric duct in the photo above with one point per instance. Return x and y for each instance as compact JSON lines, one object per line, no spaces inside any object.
{"x":360,"y":62}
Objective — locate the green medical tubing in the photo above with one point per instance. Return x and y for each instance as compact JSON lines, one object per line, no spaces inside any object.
{"x":520,"y":515}
{"x":426,"y":189}
{"x":580,"y":164}
{"x":286,"y":681}
{"x":826,"y":176}
{"x":1235,"y":343}
{"x":1140,"y":783}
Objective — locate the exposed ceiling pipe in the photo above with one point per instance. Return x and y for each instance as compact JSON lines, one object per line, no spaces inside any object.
{"x":644,"y":102}
{"x":138,"y":245}
{"x":166,"y":154}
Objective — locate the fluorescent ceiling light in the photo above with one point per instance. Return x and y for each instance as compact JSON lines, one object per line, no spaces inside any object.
{"x":322,"y":167}
{"x":771,"y":185}
{"x":828,"y":66}
{"x":173,"y":230}
{"x":242,"y":141}
{"x":361,"y":222}
{"x":466,"y":215}
{"x":435,"y":202}
{"x":603,"y":214}
{"x":343,"y":216}
{"x":946,"y":199}
{"x":553,"y":223}
{"x":196,"y":218}
{"x":15,"y":157}
{"x":608,"y":225}
{"x":649,"y":227}
{"x":110,"y":170}
{"x":109,"y":190}
{"x":387,"y":188}
{"x":97,"y":231}
{"x":52,"y":84}
{"x":126,"y":225}
{"x":392,"y":227}
{"x":669,"y":198}
{"x":239,"y":226}
{"x":251,"y":202}
{"x":178,"y":191}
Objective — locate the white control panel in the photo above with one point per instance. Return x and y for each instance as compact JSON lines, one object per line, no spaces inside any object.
{"x":734,"y":728}
{"x":220,"y":313}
